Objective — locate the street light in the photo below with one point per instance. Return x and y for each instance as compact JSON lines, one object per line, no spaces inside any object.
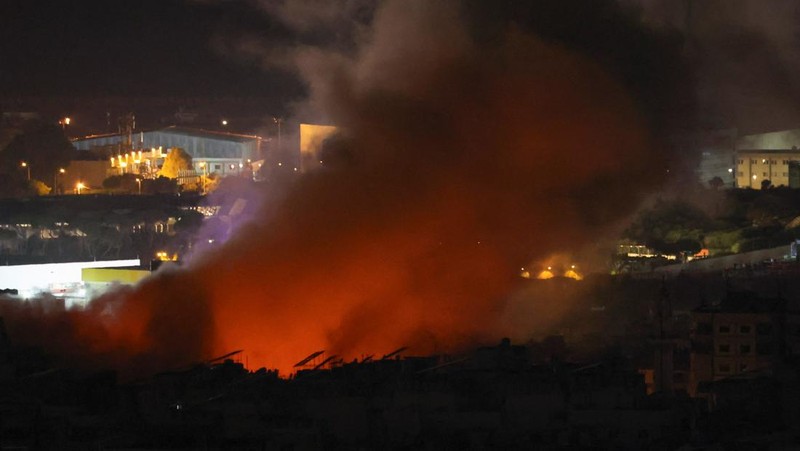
{"x":28,"y":167}
{"x":55,"y":179}
{"x":80,"y":186}
{"x":139,"y":181}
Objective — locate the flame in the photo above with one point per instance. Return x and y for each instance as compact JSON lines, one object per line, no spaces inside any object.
{"x":459,"y":162}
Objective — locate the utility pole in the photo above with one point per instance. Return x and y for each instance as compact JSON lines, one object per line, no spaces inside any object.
{"x":28,"y":167}
{"x":278,"y":121}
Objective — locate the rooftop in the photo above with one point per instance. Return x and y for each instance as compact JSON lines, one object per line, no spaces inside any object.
{"x":201,"y":133}
{"x":744,"y":302}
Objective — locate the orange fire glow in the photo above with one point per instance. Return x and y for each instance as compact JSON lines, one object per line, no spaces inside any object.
{"x":460,"y":163}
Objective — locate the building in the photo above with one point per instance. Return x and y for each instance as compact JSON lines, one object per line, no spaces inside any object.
{"x":142,"y":152}
{"x":61,"y":280}
{"x":742,"y":334}
{"x":780,"y":167}
{"x":772,"y":156}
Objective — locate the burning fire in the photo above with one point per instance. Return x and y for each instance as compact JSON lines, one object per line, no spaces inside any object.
{"x":458,"y":162}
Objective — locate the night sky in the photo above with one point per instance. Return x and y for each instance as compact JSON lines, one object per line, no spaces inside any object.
{"x":141,"y":48}
{"x":738,"y":57}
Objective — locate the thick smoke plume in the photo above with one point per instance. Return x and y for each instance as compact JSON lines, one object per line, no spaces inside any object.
{"x":459,"y":161}
{"x":745,"y":54}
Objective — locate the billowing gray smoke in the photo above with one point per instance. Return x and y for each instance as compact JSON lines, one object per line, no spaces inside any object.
{"x":465,"y":152}
{"x":746,"y":54}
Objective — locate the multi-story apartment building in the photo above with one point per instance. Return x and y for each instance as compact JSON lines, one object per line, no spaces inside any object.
{"x":742,"y":334}
{"x":780,"y":167}
{"x":772,"y":156}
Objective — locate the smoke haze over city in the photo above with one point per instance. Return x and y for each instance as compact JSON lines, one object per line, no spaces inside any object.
{"x":470,"y":145}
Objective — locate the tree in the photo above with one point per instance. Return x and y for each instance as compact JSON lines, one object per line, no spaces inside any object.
{"x":716,"y":183}
{"x":43,"y":147}
{"x":39,"y":187}
{"x":766,"y":183}
{"x":123,"y":183}
{"x":188,"y":222}
{"x":160,"y":185}
{"x":177,"y":160}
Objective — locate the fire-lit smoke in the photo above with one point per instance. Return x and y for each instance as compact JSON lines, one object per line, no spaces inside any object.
{"x":745,"y":54}
{"x":459,"y":161}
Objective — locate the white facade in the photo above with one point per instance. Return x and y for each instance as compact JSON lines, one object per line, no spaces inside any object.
{"x":61,"y":280}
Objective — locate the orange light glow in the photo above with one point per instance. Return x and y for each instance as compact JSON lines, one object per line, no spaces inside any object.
{"x":455,"y":171}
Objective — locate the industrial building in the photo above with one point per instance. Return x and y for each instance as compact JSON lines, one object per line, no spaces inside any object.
{"x":212,"y":152}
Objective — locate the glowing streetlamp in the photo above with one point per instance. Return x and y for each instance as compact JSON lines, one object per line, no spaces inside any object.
{"x":224,"y":122}
{"x":79,"y":187}
{"x":60,"y":171}
{"x":28,"y":167}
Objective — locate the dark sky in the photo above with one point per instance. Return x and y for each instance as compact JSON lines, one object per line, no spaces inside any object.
{"x":132,"y":48}
{"x":741,"y":55}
